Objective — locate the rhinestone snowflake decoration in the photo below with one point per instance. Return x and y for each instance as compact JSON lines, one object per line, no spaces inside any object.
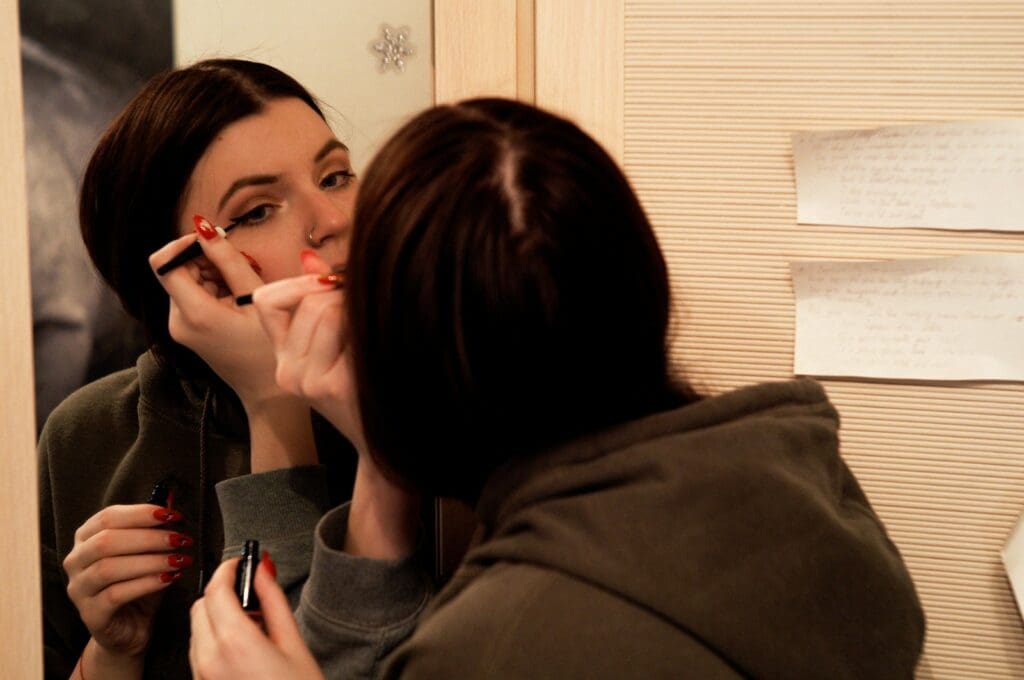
{"x":393,"y":49}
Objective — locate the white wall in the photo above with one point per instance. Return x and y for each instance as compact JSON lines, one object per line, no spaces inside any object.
{"x":327,"y":47}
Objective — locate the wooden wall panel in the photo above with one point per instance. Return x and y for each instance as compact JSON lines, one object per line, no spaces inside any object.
{"x":474,"y":49}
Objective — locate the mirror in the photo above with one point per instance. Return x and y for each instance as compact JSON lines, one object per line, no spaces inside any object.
{"x":79,"y":68}
{"x":329,"y":47}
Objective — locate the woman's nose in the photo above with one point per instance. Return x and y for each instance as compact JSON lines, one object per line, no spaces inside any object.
{"x":332,"y":219}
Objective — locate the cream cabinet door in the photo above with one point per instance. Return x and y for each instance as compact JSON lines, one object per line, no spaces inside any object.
{"x":698,"y":99}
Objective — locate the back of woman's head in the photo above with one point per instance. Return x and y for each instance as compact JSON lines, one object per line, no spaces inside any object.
{"x":135,"y":182}
{"x":506,"y":293}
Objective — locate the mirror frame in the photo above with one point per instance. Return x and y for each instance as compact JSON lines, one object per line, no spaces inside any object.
{"x":479,"y":49}
{"x":20,"y":615}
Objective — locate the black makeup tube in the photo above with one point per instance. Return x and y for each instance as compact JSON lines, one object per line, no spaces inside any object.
{"x":244,"y":580}
{"x":161,"y":494}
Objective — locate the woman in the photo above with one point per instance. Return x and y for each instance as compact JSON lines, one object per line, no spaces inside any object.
{"x":238,"y":143}
{"x":507,"y":303}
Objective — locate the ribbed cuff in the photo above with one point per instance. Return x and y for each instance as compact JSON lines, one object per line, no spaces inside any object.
{"x":272,"y":506}
{"x":359,"y":591}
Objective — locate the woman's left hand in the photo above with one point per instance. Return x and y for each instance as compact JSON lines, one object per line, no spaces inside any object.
{"x":226,"y":643}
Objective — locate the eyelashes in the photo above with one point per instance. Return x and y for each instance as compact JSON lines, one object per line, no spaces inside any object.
{"x":262,"y":212}
{"x":338,"y":179}
{"x":258,"y":214}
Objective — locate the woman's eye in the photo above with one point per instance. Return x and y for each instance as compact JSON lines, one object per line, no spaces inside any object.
{"x":258,"y":214}
{"x":341,"y":178}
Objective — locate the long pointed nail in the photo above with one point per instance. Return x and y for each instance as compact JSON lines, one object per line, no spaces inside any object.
{"x":179,"y":540}
{"x":332,"y":279}
{"x":269,"y":564}
{"x":166,"y":515}
{"x":253,"y":263}
{"x":169,"y":576}
{"x":203,"y":226}
{"x":179,"y":561}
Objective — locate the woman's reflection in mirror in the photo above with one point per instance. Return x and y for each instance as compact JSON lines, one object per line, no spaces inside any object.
{"x":228,"y":140}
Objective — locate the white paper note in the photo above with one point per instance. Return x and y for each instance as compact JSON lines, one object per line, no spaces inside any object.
{"x":947,"y":176}
{"x":959,"y":318}
{"x":1013,"y":562}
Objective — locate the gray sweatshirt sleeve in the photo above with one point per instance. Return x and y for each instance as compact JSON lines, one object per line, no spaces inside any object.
{"x":280,"y":509}
{"x":354,"y":611}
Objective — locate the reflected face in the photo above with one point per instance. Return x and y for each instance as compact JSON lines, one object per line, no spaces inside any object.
{"x":284,"y":173}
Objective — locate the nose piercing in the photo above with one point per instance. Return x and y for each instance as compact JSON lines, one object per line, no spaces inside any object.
{"x":313,"y":243}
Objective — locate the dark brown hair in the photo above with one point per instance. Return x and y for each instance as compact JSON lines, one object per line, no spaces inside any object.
{"x":506,"y":293}
{"x":133,"y":186}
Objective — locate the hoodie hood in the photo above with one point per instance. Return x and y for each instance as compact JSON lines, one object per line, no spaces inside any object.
{"x":734,"y":519}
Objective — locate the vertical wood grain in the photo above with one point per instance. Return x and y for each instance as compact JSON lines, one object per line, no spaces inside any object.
{"x":526,"y":51}
{"x":579,"y":69}
{"x":20,"y":614}
{"x":480,"y":49}
{"x":474,"y":49}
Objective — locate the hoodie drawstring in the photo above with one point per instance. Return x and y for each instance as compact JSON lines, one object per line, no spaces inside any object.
{"x":207,"y":397}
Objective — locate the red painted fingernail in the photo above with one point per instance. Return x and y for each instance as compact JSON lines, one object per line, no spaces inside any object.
{"x":169,"y":576}
{"x":179,"y":540}
{"x":179,"y":560}
{"x":253,"y":263}
{"x":166,"y":515}
{"x":332,"y":279}
{"x":204,"y":227}
{"x":269,"y":563}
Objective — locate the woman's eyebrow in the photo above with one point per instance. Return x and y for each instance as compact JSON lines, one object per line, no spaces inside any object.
{"x":245,"y":182}
{"x":330,"y":146}
{"x":251,"y":180}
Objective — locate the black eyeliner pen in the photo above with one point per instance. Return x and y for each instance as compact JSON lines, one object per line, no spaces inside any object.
{"x":336,"y":277}
{"x":194,"y":250}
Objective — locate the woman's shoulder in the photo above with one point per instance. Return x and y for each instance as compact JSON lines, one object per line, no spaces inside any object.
{"x":96,"y":402}
{"x":528,"y":620}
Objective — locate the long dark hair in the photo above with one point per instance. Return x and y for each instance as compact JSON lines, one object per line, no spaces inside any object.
{"x":505,"y":291}
{"x":136,"y":179}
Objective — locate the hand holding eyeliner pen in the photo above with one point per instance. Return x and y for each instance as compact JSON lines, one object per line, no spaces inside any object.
{"x":336,"y":278}
{"x":195,"y":250}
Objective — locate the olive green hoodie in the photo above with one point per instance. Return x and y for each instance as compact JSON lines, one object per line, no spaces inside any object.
{"x":109,"y":443}
{"x":724,"y":539}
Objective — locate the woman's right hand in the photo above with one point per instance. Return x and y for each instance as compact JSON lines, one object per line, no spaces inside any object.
{"x":203,"y":316}
{"x":121,"y":561}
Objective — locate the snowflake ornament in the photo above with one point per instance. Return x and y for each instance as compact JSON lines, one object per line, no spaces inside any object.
{"x":393,"y":48}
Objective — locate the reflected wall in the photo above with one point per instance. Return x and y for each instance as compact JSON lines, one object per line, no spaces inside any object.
{"x":79,"y":67}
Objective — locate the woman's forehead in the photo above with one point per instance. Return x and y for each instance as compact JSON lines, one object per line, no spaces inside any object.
{"x":287,"y":136}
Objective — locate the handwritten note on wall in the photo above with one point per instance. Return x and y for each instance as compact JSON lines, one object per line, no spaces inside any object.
{"x":950,"y":176}
{"x":959,"y":318}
